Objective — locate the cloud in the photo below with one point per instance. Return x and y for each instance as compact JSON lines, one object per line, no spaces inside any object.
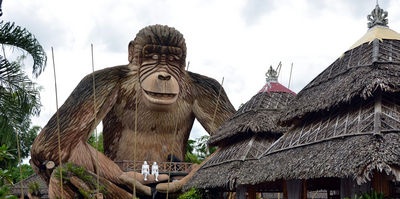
{"x":253,"y":10}
{"x":46,"y":28}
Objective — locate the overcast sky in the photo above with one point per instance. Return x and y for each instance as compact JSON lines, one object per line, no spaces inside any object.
{"x":236,"y":40}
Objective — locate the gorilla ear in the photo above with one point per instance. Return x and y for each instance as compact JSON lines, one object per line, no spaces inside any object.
{"x":130,"y":51}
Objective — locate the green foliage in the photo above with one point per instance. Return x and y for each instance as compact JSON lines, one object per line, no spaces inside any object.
{"x":370,"y":195}
{"x":193,"y":158}
{"x":5,"y":193}
{"x":33,"y":188}
{"x":5,"y":154}
{"x":21,"y":172}
{"x":197,"y":150}
{"x":9,"y":138}
{"x":19,"y":100}
{"x":19,"y":96}
{"x":97,"y":143}
{"x":13,"y":35}
{"x":78,"y":171}
{"x":12,"y":174}
{"x":5,"y":175}
{"x":70,"y":169}
{"x":202,"y":147}
{"x":190,"y":156}
{"x":191,"y":194}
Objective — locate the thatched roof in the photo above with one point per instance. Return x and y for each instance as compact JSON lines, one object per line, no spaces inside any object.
{"x":244,"y":137}
{"x":341,"y":144}
{"x":350,"y":157}
{"x":221,"y":170}
{"x":258,"y":115}
{"x":346,"y":121}
{"x":357,"y":74}
{"x":24,"y":186}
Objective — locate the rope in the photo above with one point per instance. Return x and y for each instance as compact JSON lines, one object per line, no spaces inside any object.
{"x":216,"y":105}
{"x":58,"y":124}
{"x":170,"y":159}
{"x":95,"y":123}
{"x":135,"y":135}
{"x":19,"y":162}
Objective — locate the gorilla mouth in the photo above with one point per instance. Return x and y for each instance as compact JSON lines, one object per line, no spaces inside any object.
{"x":160,"y":98}
{"x":160,"y":95}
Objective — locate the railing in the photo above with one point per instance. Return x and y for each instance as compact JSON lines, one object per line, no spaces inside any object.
{"x":173,"y":168}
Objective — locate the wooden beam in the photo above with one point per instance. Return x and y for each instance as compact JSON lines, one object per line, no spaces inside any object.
{"x":241,"y":192}
{"x":304,"y":190}
{"x":284,"y":188}
{"x":380,"y":183}
{"x":377,"y":112}
{"x":251,"y":192}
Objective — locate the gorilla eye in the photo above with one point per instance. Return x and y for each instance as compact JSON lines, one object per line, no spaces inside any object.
{"x":171,"y":58}
{"x":155,"y":56}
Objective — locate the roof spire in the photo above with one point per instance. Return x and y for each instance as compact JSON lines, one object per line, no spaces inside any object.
{"x":272,"y":75}
{"x":377,"y":17}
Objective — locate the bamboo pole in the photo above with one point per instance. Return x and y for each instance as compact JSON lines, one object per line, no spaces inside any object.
{"x":58,"y":124}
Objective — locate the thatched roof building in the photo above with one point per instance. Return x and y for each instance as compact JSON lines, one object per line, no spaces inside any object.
{"x":346,"y":120}
{"x":245,"y":136}
{"x":41,"y":188}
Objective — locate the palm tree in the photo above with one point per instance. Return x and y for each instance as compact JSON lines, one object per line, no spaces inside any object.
{"x":19,"y":96}
{"x":1,"y":11}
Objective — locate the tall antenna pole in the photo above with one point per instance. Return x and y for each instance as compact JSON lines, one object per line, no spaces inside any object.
{"x":278,"y":68}
{"x":290,"y":76}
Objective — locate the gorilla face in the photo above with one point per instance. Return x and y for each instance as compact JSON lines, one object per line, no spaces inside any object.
{"x":159,"y":72}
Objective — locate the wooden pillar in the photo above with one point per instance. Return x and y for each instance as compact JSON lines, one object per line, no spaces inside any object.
{"x":347,"y":188}
{"x":284,"y":189}
{"x":252,"y":192}
{"x":304,"y":190}
{"x":241,"y":192}
{"x":380,"y":183}
{"x":294,"y":189}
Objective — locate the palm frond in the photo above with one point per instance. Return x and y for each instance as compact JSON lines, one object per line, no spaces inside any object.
{"x":14,"y":35}
{"x":19,"y":96}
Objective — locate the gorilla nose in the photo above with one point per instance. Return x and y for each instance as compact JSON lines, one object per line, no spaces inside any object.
{"x":164,"y":77}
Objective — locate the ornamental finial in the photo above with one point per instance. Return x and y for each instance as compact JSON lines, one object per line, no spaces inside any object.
{"x":377,"y":17}
{"x":272,"y":75}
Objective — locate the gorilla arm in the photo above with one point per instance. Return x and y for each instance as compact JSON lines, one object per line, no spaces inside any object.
{"x":211,"y":108}
{"x":77,"y":119}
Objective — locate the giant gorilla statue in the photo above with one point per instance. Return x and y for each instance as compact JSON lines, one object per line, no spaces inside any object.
{"x":147,"y":108}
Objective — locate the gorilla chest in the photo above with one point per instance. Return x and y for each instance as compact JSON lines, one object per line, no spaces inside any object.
{"x":152,"y":135}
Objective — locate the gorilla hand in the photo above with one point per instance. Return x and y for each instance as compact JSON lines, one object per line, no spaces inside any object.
{"x":131,"y":182}
{"x":176,"y":186}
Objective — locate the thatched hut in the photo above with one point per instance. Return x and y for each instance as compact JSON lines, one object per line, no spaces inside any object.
{"x":244,"y":137}
{"x":31,"y":187}
{"x":346,"y":133}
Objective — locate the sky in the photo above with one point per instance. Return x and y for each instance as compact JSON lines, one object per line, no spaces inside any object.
{"x":235,"y":40}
